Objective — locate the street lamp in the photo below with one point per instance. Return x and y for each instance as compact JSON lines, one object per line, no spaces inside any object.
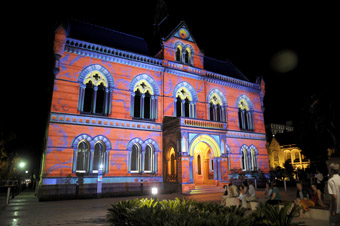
{"x":22,"y":164}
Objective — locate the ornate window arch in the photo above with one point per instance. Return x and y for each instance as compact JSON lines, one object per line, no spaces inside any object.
{"x":144,"y":97}
{"x":96,"y":155}
{"x":184,"y":53}
{"x":253,"y":158}
{"x":244,"y":158}
{"x":188,"y":55}
{"x":95,"y":92}
{"x":217,"y":104}
{"x":245,"y":113}
{"x":185,"y":98}
{"x":83,"y":150}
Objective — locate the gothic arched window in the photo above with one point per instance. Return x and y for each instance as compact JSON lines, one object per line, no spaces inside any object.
{"x":135,"y":159}
{"x":217,"y":110}
{"x":184,"y":104}
{"x":178,"y":53}
{"x":148,"y":159}
{"x":244,"y":163}
{"x":98,"y":157}
{"x":144,"y":101}
{"x":95,"y":96}
{"x":245,"y":115}
{"x":83,"y":157}
{"x":253,"y":159}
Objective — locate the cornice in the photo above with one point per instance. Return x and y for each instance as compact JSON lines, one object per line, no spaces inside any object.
{"x":137,"y":60}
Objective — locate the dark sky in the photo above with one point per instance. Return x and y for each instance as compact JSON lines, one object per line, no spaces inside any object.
{"x":303,"y":38}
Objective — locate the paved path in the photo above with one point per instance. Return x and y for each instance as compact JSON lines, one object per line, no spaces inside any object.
{"x":26,"y":210}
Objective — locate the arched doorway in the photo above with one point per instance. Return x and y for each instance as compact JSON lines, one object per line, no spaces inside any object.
{"x":171,"y":165}
{"x":203,"y":164}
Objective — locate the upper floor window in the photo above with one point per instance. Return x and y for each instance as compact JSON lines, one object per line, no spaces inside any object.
{"x":217,"y":111}
{"x":96,"y":86}
{"x":245,"y":115}
{"x":179,"y":53}
{"x":144,"y":97}
{"x":184,"y":104}
{"x":184,"y":53}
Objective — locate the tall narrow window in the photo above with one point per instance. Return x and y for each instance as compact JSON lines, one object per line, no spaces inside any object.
{"x":147,"y":105}
{"x":172,"y":168}
{"x":244,"y":160}
{"x":137,"y":104}
{"x":135,"y":158}
{"x":186,"y":56}
{"x":199,"y":169}
{"x":253,"y":160}
{"x":82,"y":157}
{"x":187,"y":107}
{"x":100,"y":101}
{"x":178,"y":54}
{"x":178,"y":107}
{"x":88,"y":97}
{"x":98,"y":157}
{"x":148,"y":159}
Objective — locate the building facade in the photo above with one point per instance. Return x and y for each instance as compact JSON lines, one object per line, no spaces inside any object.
{"x":122,"y":121}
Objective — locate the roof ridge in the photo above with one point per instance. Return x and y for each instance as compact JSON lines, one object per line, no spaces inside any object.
{"x":106,"y":28}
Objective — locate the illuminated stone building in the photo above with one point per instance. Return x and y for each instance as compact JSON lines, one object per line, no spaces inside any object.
{"x":175,"y":120}
{"x":282,"y":149}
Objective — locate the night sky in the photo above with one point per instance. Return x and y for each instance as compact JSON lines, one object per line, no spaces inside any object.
{"x":292,"y":46}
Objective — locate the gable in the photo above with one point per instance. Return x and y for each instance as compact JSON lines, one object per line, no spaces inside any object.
{"x":181,"y":47}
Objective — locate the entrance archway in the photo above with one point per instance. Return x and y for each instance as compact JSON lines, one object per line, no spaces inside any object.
{"x":171,"y":165}
{"x":203,"y":164}
{"x":204,"y":150}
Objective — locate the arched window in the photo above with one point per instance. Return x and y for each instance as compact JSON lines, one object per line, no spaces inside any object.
{"x":245,"y":115}
{"x":187,"y":56}
{"x":199,"y":168}
{"x":135,"y":159}
{"x":137,"y":101}
{"x":244,"y":159}
{"x":144,"y":101}
{"x":179,"y":53}
{"x":94,"y":97}
{"x":253,"y":159}
{"x":148,"y":159}
{"x":83,"y":157}
{"x":184,"y":104}
{"x":98,"y":157}
{"x":172,"y":163}
{"x":217,"y":110}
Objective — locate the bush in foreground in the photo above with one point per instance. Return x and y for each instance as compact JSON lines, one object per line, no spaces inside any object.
{"x":189,"y":212}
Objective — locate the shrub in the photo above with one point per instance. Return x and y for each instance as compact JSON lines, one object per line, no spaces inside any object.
{"x":189,"y":212}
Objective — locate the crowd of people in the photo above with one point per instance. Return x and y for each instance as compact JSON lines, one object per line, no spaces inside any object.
{"x":305,"y":198}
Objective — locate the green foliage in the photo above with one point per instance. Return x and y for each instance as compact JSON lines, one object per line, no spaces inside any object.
{"x":189,"y":212}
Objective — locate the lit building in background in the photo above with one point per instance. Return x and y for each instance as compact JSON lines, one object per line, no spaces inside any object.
{"x":282,"y":149}
{"x":133,"y":121}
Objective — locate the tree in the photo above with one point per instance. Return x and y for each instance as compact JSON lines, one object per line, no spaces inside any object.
{"x":318,"y":127}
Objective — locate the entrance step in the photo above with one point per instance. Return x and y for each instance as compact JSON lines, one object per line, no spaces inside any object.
{"x":204,"y":189}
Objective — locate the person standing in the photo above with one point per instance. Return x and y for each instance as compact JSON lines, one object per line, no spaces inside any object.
{"x":334,"y":192}
{"x":319,"y":180}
